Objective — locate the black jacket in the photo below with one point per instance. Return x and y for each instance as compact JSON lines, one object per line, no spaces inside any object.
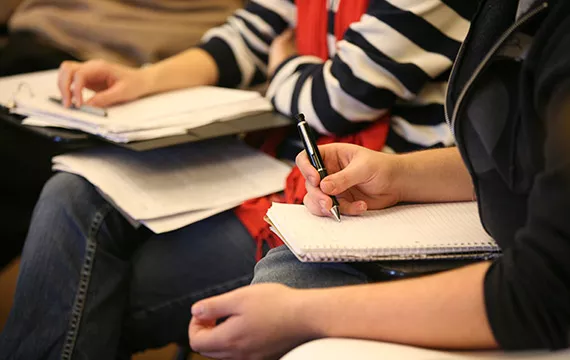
{"x":509,"y":107}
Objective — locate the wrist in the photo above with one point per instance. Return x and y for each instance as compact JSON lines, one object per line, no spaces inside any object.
{"x":313,"y":316}
{"x":148,"y":80}
{"x":404,"y":179}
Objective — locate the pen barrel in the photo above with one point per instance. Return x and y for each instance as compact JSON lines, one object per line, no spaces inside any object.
{"x":322,"y":172}
{"x":311,"y":147}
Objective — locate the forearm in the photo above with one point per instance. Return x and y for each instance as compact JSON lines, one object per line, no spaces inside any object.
{"x":193,"y":67}
{"x":442,"y":311}
{"x":434,"y":176}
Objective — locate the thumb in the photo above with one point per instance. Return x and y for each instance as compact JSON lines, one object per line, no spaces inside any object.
{"x":215,"y":307}
{"x":343,"y":180}
{"x":108,"y":97}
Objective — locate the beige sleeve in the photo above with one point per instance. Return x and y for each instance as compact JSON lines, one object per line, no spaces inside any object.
{"x":7,"y":8}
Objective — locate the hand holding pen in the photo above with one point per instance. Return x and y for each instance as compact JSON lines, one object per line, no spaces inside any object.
{"x":315,"y":157}
{"x":360,"y":178}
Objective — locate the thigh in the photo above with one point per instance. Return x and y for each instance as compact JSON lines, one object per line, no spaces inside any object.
{"x":281,"y":266}
{"x":174,"y":270}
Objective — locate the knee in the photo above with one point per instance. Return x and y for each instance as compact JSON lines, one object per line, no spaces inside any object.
{"x":281,"y":266}
{"x":66,"y":194}
{"x":65,"y":202}
{"x":278,"y":266}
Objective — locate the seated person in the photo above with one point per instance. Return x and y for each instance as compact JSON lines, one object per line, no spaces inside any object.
{"x":511,"y":118}
{"x":43,"y":33}
{"x":105,"y":294}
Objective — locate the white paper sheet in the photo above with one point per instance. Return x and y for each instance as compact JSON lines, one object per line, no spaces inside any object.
{"x":134,"y":117}
{"x":174,"y":222}
{"x":165,"y":182}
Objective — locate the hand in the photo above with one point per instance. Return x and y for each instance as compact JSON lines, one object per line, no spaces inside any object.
{"x":260,"y":322}
{"x":282,"y":48}
{"x":112,"y":83}
{"x":360,"y":179}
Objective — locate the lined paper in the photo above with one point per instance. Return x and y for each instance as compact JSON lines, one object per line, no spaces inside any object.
{"x":451,"y":226}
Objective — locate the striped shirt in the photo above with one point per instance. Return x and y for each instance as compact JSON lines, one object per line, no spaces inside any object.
{"x":396,"y":59}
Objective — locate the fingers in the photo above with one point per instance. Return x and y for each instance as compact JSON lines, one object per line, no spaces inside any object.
{"x":320,"y":204}
{"x":95,"y":75}
{"x":105,"y":98}
{"x":307,"y":169}
{"x":92,"y":74}
{"x":215,"y":307}
{"x":352,"y":207}
{"x":203,"y":335}
{"x":66,"y":75}
{"x":337,"y":183}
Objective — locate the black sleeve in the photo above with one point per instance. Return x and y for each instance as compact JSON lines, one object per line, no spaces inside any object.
{"x":527,"y":291}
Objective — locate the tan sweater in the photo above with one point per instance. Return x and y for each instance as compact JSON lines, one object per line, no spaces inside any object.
{"x":127,"y":31}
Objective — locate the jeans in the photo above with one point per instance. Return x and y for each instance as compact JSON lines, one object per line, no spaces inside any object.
{"x":91,"y":286}
{"x":281,"y":266}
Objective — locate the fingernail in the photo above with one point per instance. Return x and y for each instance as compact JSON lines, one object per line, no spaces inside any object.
{"x":327,"y":186}
{"x":323,"y":204}
{"x":197,"y":310}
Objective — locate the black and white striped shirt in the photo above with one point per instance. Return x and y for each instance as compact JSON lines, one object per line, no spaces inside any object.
{"x":396,"y":59}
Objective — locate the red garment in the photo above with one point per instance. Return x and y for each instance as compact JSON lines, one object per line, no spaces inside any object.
{"x":311,"y":38}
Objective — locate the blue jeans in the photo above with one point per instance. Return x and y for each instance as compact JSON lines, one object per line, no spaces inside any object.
{"x":281,"y":266}
{"x":91,"y":286}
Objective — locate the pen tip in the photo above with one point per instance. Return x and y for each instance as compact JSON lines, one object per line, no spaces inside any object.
{"x":336,"y":213}
{"x":300,"y":117}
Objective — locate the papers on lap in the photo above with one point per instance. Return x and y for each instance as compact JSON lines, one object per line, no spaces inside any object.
{"x":169,"y":188}
{"x":155,"y":116}
{"x":421,"y":231}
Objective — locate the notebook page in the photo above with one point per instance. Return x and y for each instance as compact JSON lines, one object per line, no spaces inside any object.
{"x":405,"y":226}
{"x":165,"y":182}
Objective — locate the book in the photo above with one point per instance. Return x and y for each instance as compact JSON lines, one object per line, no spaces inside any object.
{"x":404,"y":232}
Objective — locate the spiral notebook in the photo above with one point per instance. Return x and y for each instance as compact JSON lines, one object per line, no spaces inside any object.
{"x":405,"y":232}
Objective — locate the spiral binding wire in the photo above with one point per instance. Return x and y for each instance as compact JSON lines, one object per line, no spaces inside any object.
{"x":335,"y":253}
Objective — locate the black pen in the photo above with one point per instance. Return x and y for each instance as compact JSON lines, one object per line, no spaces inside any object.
{"x":315,"y":157}
{"x":85,"y":108}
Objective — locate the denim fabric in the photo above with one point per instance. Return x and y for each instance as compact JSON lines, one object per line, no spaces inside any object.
{"x":93,"y":287}
{"x":281,"y":266}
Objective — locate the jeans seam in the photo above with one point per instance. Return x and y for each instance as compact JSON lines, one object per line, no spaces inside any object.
{"x":85,"y":276}
{"x":196,"y":294}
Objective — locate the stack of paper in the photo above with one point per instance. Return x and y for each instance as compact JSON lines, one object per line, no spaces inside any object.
{"x":161,"y":115}
{"x":166,"y":189}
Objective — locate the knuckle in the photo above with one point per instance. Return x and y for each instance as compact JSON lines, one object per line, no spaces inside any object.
{"x":66,"y":65}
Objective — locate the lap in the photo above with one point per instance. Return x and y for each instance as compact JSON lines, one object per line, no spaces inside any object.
{"x":168,"y":272}
{"x":172,"y":271}
{"x":281,"y":266}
